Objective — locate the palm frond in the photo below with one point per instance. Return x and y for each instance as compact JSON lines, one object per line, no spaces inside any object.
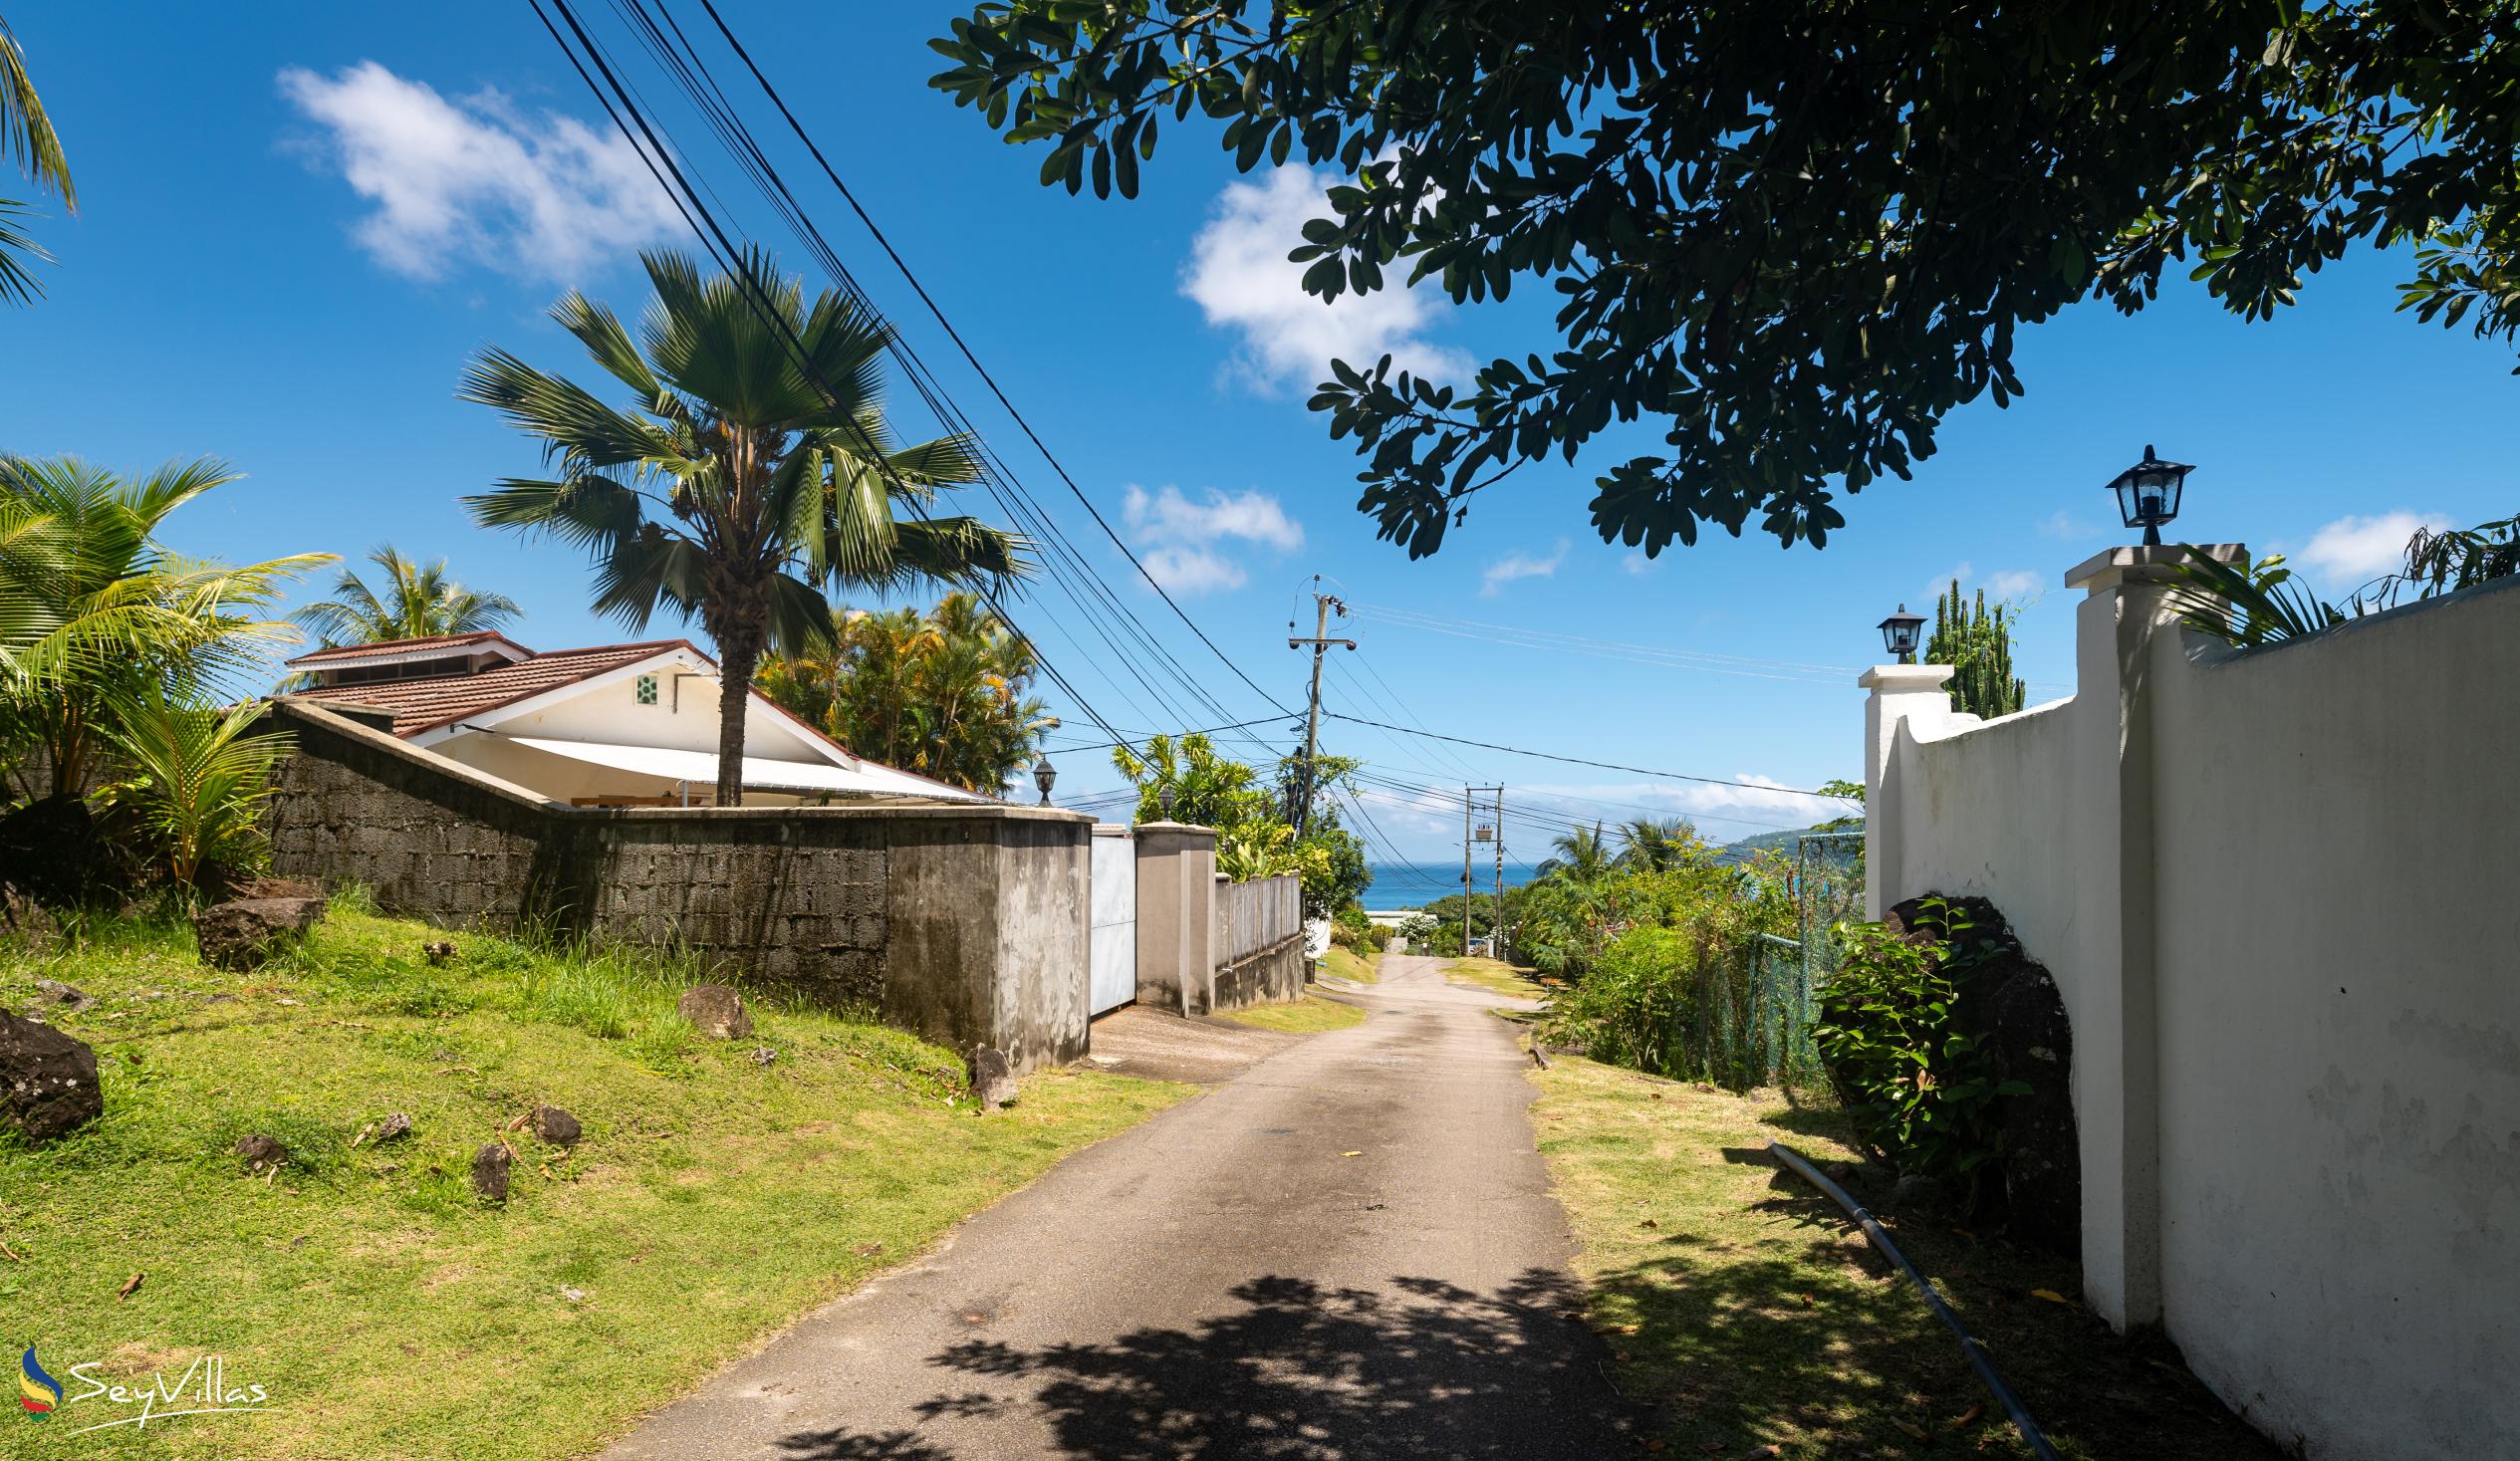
{"x":18,"y":285}
{"x":964,"y":551}
{"x":25,"y":133}
{"x":2245,"y":608}
{"x":590,"y":512}
{"x":577,"y":429}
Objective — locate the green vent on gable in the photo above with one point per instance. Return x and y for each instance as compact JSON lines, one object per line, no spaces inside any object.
{"x":647,"y":689}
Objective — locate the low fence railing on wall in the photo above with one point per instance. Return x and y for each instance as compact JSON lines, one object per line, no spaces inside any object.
{"x":1256,"y":915}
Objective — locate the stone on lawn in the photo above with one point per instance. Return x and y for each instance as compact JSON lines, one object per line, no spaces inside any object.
{"x":48,"y":1080}
{"x":992,"y":1080}
{"x":261,"y":1152}
{"x":265,"y":886}
{"x":490,"y":1171}
{"x":24,"y":922}
{"x":68,"y":996}
{"x":556,"y":1127}
{"x":397,"y":1125}
{"x":244,"y":934}
{"x":716,"y":1011}
{"x":763,"y":1054}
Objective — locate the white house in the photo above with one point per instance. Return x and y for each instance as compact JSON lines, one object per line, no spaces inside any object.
{"x":613,"y":725}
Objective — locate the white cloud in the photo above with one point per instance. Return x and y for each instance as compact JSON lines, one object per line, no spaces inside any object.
{"x":2068,"y":526}
{"x":1239,"y":276}
{"x":1520,"y":565}
{"x":1636,"y":564}
{"x":2352,"y":551}
{"x":1183,"y":543}
{"x":1940,"y":583}
{"x":2015,"y":584}
{"x":477,"y":181}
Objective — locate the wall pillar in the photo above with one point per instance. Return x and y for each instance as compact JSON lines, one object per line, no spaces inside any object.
{"x":1177,"y":879}
{"x":1900,"y":692}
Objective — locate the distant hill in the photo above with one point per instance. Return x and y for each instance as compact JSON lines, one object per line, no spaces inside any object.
{"x":1776,"y":842}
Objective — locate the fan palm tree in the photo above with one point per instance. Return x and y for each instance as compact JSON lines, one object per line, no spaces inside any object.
{"x":419,"y":602}
{"x":94,"y":612}
{"x":754,"y":469}
{"x":26,"y":138}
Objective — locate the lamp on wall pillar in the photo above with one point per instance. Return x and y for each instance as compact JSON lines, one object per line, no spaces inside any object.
{"x":1043,"y":775}
{"x":1898,"y":635}
{"x":1164,"y":800}
{"x":2149,"y":493}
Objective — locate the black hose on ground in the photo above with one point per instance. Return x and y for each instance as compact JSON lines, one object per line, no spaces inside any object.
{"x":1976,"y":1351}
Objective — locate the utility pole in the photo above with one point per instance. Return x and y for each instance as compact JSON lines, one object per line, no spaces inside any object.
{"x":1496,"y":930}
{"x":1323,"y":603}
{"x":1471,"y":836}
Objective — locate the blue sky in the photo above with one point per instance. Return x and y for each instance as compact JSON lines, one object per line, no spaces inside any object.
{"x":297,"y":221}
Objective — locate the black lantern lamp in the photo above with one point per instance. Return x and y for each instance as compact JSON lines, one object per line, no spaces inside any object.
{"x":1043,"y":775}
{"x":1163,"y":798}
{"x":1899,"y":633}
{"x":2148,"y":494}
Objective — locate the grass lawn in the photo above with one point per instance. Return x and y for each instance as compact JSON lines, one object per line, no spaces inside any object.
{"x":1350,"y":965}
{"x":1496,"y":976}
{"x":1743,"y":1304}
{"x":387,"y":1311}
{"x":1310,"y":1016}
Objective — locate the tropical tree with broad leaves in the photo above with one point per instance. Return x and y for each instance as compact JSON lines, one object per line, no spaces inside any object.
{"x":420,"y":601}
{"x":753,"y":471}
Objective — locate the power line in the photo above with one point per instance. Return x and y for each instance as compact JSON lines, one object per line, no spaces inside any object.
{"x":686,"y":202}
{"x":956,"y":337}
{"x":1582,"y":761}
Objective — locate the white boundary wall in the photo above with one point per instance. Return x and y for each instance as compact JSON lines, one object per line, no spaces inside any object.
{"x":2280,"y":893}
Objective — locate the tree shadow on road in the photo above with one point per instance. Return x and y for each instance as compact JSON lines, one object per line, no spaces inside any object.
{"x":1419,"y":1367}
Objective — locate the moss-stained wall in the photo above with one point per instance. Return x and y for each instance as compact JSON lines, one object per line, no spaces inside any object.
{"x":965,"y":923}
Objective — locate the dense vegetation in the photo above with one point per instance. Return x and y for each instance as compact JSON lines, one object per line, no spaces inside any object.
{"x":945,"y":694}
{"x":115,"y":654}
{"x":1978,"y":644}
{"x":2259,"y":603}
{"x":1186,"y":779}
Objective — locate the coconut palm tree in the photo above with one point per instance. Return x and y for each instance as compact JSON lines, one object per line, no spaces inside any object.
{"x":1583,"y":855}
{"x":420,"y":602}
{"x":753,"y":471}
{"x":1657,"y":844}
{"x":94,"y":612}
{"x":26,"y":138}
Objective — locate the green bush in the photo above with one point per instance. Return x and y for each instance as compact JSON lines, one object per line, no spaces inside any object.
{"x":1376,"y":937}
{"x":1897,"y":1033}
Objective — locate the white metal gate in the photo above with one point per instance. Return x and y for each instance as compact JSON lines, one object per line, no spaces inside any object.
{"x":1111,"y":947}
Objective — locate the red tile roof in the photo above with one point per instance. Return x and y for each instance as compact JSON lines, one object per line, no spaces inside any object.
{"x":401,"y":646}
{"x":429,"y":701}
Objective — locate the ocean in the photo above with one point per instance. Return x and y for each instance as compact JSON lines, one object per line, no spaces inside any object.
{"x":1410,"y":885}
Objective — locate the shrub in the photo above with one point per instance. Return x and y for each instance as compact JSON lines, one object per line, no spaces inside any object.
{"x":1897,"y":1033}
{"x":1376,"y":937}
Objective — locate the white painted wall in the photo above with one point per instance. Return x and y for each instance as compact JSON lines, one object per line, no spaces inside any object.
{"x":2277,"y":891}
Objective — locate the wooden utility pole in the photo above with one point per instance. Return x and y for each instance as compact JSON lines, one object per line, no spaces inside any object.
{"x":1323,"y":603}
{"x":1470,"y":835}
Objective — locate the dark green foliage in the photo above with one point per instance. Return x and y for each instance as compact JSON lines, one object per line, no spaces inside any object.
{"x":1899,"y":1034}
{"x":1978,"y":644}
{"x":1792,"y":235}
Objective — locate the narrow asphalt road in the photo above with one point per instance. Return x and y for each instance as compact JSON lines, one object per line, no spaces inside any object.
{"x":1350,"y":1250}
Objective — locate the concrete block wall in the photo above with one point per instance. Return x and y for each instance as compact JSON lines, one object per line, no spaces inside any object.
{"x":2274,"y":888}
{"x":963,"y":923}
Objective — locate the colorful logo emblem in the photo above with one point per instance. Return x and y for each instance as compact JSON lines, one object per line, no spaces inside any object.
{"x":37,"y":1392}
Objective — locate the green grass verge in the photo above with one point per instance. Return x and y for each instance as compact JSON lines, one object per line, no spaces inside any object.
{"x":1310,"y":1016}
{"x":1742,"y":1303}
{"x":387,"y":1311}
{"x":1350,"y":965}
{"x":1495,"y":977}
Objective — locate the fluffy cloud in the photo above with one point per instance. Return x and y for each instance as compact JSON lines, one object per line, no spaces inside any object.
{"x":2352,"y":551}
{"x":1185,"y":545}
{"x":1240,"y":278}
{"x":1520,"y":565}
{"x":1940,"y":583}
{"x":2015,"y":584}
{"x":1636,"y":564}
{"x":475,"y":181}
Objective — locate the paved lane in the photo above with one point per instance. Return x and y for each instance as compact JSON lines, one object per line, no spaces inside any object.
{"x":1224,"y":1281}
